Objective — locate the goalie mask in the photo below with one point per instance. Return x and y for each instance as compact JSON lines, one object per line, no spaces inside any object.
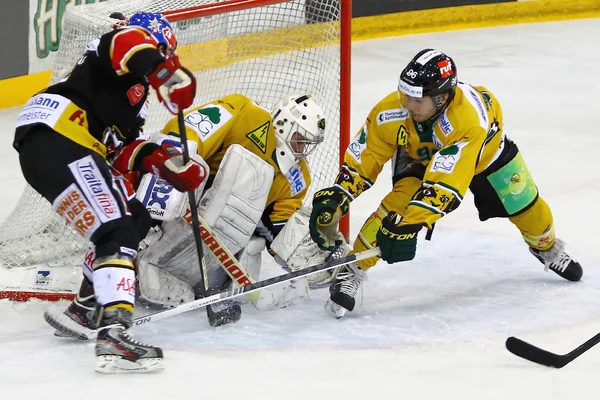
{"x":158,"y":26}
{"x":299,"y":125}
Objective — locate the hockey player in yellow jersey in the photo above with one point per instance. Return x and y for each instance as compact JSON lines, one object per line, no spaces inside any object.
{"x":237,"y":119}
{"x":444,"y":137}
{"x":258,"y":179}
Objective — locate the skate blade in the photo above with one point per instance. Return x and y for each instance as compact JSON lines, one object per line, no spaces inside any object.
{"x":119,"y":365}
{"x":66,"y":327}
{"x":335,"y":310}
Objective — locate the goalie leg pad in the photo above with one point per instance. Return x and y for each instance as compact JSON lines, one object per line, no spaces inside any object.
{"x":161,"y":288}
{"x":296,"y":248}
{"x":175,"y":252}
{"x":233,"y":205}
{"x":251,"y":256}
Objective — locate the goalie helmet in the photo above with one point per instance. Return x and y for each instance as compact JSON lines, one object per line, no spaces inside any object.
{"x":299,"y":124}
{"x":429,"y":73}
{"x":158,"y":26}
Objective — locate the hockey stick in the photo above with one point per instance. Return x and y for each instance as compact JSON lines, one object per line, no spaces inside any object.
{"x":231,"y":293}
{"x":228,"y":262}
{"x":240,"y":275}
{"x":543,"y":357}
{"x":193,"y":207}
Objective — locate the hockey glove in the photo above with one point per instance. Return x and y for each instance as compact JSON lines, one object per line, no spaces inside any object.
{"x":175,"y":85}
{"x":397,"y":241}
{"x":329,"y":205}
{"x":167,"y":162}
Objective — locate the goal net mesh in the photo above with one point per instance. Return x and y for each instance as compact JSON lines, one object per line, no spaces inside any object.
{"x":263,"y":52}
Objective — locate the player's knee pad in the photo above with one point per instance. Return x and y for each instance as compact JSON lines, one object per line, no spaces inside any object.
{"x":114,"y":280}
{"x":235,"y":202}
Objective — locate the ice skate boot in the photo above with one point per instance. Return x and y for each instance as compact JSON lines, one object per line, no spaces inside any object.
{"x":557,"y":260}
{"x":116,"y":349}
{"x":342,"y":292}
{"x":77,"y":321}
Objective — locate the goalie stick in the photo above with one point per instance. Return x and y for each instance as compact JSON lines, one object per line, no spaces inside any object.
{"x":229,"y":293}
{"x":543,"y":357}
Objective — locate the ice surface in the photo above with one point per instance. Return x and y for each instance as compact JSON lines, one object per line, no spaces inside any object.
{"x":428,"y":329}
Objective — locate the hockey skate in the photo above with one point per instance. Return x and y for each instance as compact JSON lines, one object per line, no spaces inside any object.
{"x":118,"y":352}
{"x":558,"y":261}
{"x":342,"y":292}
{"x":78,"y":320}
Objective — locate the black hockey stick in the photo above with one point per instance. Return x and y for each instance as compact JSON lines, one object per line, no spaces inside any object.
{"x":193,"y":207}
{"x":213,"y":319}
{"x":543,"y":357}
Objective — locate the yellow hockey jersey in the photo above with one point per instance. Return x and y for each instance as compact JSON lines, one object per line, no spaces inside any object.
{"x":462,"y":142}
{"x":237,"y":119}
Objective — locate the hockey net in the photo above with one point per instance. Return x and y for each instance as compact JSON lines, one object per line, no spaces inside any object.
{"x":263,"y":49}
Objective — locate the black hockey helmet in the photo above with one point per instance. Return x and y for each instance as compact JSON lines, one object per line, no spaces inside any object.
{"x":429,"y":73}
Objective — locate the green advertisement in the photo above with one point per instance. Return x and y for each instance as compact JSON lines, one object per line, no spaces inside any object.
{"x":47,"y":23}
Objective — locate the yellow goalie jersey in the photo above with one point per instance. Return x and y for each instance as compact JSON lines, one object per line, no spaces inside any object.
{"x":462,"y":142}
{"x":237,"y":119}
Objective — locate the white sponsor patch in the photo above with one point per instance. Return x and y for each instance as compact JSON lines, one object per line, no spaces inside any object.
{"x":43,"y":108}
{"x":208,"y":120}
{"x":428,"y":56}
{"x":446,"y":159}
{"x":162,"y":201}
{"x":473,"y":97}
{"x":409,"y":90}
{"x":96,"y":191}
{"x":296,"y":179}
{"x":359,"y":144}
{"x":444,"y":124}
{"x":72,"y":205}
{"x":397,"y":114}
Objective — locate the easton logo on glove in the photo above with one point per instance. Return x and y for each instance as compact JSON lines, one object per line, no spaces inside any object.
{"x":398,"y":236}
{"x":397,"y":241}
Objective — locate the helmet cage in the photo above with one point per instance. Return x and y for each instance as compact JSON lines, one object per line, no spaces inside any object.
{"x":299,"y":125}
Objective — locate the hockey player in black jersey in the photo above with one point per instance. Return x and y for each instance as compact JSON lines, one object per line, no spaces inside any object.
{"x":65,"y":134}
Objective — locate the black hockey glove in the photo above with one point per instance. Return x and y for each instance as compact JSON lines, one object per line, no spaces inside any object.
{"x":329,"y":205}
{"x":397,"y":242}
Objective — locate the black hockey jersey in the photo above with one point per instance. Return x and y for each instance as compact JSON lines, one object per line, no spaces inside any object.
{"x":101,"y":103}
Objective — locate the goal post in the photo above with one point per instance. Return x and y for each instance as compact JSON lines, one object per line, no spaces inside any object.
{"x":264,"y":49}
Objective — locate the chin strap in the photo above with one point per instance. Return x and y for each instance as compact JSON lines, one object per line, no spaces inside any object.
{"x":440,"y":108}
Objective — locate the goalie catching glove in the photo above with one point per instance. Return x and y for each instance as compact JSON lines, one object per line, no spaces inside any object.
{"x":167,"y":162}
{"x":397,"y":241}
{"x":175,"y":85}
{"x":329,"y":205}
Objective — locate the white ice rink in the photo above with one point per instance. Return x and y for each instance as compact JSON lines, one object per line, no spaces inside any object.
{"x":429,"y":329}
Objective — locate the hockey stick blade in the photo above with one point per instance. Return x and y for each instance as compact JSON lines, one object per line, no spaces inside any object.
{"x":239,"y":291}
{"x":534,"y":354}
